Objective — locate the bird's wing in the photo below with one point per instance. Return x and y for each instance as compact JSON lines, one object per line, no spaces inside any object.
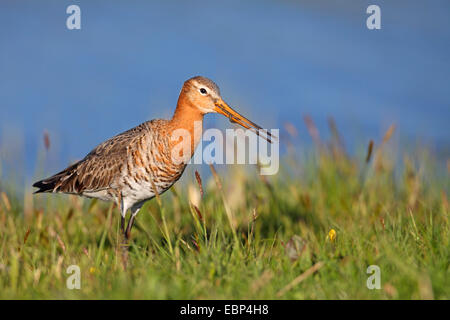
{"x":98,"y":170}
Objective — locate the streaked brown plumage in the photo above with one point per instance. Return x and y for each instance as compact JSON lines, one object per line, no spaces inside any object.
{"x":130,"y":166}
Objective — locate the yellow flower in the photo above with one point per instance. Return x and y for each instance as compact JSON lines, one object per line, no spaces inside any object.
{"x":92,"y":270}
{"x":332,"y":235}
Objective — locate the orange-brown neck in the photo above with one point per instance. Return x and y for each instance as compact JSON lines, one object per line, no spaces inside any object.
{"x":189,"y":118}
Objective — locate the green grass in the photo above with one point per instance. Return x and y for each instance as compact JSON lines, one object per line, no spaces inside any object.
{"x":391,"y":212}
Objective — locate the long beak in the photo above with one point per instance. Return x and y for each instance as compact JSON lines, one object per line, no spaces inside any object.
{"x":223,"y":108}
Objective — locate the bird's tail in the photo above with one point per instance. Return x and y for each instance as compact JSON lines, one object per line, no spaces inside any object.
{"x":57,"y":182}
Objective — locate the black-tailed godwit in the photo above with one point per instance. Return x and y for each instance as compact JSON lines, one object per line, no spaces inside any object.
{"x":130,"y":166}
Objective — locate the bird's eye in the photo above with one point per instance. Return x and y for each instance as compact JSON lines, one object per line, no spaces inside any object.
{"x":203,"y":91}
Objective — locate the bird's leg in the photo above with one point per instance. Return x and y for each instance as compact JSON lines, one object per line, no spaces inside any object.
{"x":126,"y":233}
{"x":134,"y":212}
{"x":122,"y":225}
{"x":123,"y":213}
{"x":124,"y":242}
{"x":129,"y":227}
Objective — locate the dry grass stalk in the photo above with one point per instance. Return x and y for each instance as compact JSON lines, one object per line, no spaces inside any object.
{"x":252,"y":228}
{"x":6,"y":201}
{"x":36,"y":276}
{"x":28,"y":205}
{"x":414,"y":193}
{"x":61,"y":243}
{"x":369,"y":151}
{"x":291,"y":129}
{"x":186,"y":244}
{"x":199,"y":181}
{"x":389,"y":133}
{"x":300,"y":278}
{"x":255,"y":216}
{"x":387,"y":136}
{"x":197,"y":210}
{"x":46,"y":140}
{"x":69,"y":215}
{"x":337,"y":137}
{"x":195,"y":243}
{"x":312,"y":129}
{"x":26,"y":235}
{"x":58,"y":267}
{"x":382,"y":222}
{"x":216,"y":177}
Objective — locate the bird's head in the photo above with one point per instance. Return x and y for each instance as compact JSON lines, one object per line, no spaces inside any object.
{"x":204,"y":95}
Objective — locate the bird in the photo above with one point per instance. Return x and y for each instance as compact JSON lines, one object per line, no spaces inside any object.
{"x":136,"y":165}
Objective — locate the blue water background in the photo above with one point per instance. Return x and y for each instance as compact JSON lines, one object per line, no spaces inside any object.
{"x":274,"y":60}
